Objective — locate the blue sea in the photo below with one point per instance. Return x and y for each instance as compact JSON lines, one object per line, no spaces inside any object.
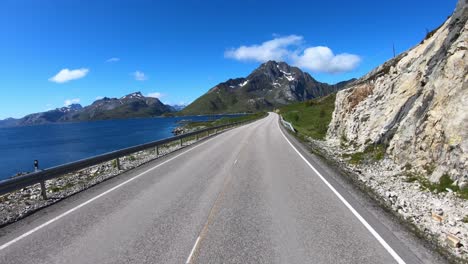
{"x":56,"y":144}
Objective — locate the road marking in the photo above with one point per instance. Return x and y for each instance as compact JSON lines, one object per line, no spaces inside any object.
{"x":95,"y":198}
{"x":235,"y":161}
{"x":349,"y":206}
{"x":189,"y":259}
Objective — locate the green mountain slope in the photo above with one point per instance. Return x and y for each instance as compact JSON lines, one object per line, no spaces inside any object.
{"x":273,"y":84}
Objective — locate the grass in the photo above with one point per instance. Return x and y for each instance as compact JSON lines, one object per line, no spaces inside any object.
{"x":224,"y":121}
{"x":445,"y":182}
{"x":465,"y":219}
{"x":311,"y":118}
{"x":372,"y":153}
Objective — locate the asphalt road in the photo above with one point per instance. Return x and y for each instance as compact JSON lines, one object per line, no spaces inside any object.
{"x":248,"y":195}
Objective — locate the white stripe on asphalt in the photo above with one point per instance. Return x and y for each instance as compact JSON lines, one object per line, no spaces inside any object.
{"x":95,"y":198}
{"x":189,"y":259}
{"x":347,"y":204}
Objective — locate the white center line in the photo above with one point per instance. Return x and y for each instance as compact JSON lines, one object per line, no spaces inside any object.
{"x":189,"y":259}
{"x":235,"y":161}
{"x":349,"y":206}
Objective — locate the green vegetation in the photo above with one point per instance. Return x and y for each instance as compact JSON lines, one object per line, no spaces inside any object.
{"x":371,"y":153}
{"x":225,"y":121}
{"x":465,"y":219}
{"x":221,"y":101}
{"x":408,"y":166}
{"x":445,"y":182}
{"x":311,"y":118}
{"x":132,"y":158}
{"x":55,"y":188}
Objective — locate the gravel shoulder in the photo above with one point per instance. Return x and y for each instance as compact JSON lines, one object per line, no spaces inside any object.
{"x":437,"y":220}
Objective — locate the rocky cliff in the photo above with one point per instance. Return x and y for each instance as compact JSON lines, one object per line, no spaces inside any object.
{"x":415,"y":105}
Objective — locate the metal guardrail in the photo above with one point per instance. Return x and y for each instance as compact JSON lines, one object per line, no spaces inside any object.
{"x":19,"y":182}
{"x":287,"y":124}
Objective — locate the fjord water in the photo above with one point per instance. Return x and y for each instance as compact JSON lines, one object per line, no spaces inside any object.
{"x":56,"y":144}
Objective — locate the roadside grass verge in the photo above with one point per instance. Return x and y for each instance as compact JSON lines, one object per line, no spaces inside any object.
{"x":196,"y":125}
{"x":311,"y":118}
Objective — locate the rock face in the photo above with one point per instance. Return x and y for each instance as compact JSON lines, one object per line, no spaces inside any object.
{"x":415,"y":104}
{"x":271,"y":85}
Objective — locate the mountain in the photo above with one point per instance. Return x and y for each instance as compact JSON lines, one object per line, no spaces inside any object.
{"x":271,"y":85}
{"x":177,"y":107}
{"x":415,"y":105}
{"x":50,"y":116}
{"x":129,"y":106}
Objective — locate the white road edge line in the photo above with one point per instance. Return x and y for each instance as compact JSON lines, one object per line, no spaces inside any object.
{"x":349,"y":206}
{"x":95,"y":198}
{"x":189,"y":259}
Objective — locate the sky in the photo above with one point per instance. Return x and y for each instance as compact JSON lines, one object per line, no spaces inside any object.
{"x":54,"y":53}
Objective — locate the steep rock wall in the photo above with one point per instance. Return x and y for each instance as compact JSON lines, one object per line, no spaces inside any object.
{"x":415,"y":104}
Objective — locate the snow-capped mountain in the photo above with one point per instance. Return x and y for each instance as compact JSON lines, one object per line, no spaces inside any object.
{"x":129,"y":106}
{"x":271,"y":85}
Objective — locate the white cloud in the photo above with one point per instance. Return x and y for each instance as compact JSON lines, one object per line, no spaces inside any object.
{"x":275,"y":49}
{"x":66,"y":75}
{"x":155,"y":95}
{"x":140,"y":76}
{"x":114,"y":59}
{"x":322,"y":59}
{"x":289,"y":49}
{"x":69,"y":102}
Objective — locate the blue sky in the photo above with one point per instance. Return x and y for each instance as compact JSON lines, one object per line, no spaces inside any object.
{"x":56,"y":52}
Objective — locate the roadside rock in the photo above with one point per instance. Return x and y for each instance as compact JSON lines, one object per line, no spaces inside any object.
{"x":433,"y":214}
{"x":415,"y":105}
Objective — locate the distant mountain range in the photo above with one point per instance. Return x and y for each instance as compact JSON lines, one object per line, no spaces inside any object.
{"x":271,"y":85}
{"x":130,"y":106}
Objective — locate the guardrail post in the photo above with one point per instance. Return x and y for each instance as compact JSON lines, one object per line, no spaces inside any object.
{"x":181,"y":142}
{"x":197,"y":136}
{"x":157,"y":150}
{"x":43,"y":190}
{"x":117,"y":163}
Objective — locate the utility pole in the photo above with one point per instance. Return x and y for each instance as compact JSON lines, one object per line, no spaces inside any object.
{"x":394,"y":55}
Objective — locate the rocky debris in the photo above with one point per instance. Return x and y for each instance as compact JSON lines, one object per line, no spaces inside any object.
{"x":440,"y":217}
{"x":453,"y":241}
{"x":179,"y":130}
{"x":415,"y":105}
{"x":16,"y":205}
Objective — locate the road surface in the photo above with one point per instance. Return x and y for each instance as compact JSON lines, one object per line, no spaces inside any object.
{"x":248,"y":195}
